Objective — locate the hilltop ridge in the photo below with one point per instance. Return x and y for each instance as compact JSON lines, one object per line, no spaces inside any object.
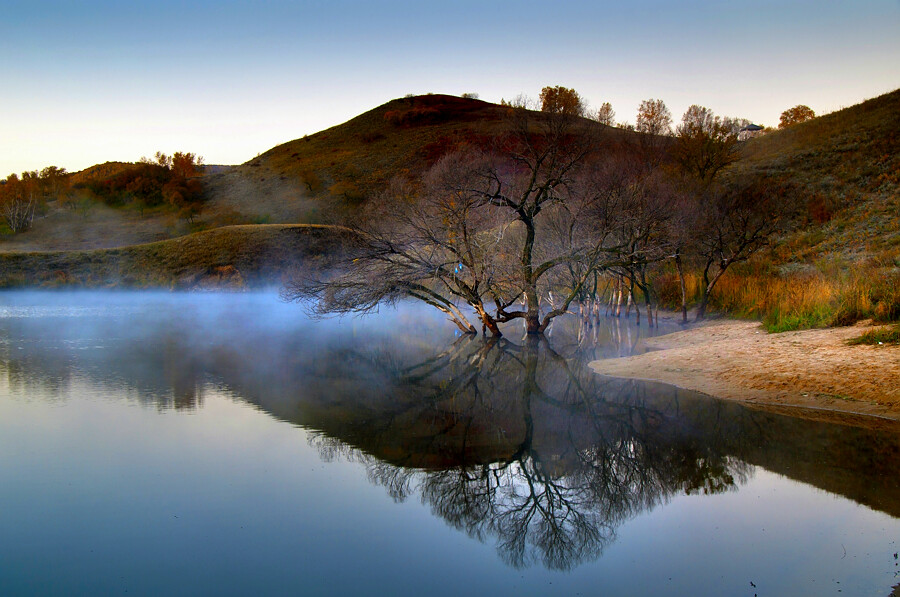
{"x":843,"y":167}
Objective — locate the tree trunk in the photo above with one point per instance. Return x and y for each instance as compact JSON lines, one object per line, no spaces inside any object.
{"x":701,"y":308}
{"x":491,"y":325}
{"x":532,"y":312}
{"x":611,"y":301}
{"x":488,"y":323}
{"x":707,"y":290}
{"x":680,"y":269}
{"x":629,"y":301}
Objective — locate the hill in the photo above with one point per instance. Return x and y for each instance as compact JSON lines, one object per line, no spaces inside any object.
{"x":338,"y":168}
{"x":232,"y":257}
{"x":845,"y":168}
{"x":308,"y":180}
{"x":840,"y":262}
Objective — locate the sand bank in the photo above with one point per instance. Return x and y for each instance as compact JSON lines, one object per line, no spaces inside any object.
{"x":738,"y":360}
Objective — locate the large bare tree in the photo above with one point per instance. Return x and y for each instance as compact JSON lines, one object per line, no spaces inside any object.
{"x":487,"y":227}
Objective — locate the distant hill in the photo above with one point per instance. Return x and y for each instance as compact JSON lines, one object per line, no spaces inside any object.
{"x":234,"y":257}
{"x":100,"y":171}
{"x":307,"y":180}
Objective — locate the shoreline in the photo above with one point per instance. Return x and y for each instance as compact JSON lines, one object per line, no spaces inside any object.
{"x":808,"y":373}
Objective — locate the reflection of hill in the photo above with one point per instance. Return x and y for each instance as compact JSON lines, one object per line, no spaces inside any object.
{"x":521,"y":443}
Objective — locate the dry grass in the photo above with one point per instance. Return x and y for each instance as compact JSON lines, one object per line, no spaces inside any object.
{"x":828,"y":296}
{"x":254,"y":255}
{"x":843,"y":172}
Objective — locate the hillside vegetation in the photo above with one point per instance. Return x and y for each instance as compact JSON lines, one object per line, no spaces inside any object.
{"x":841,"y":261}
{"x":315,"y":179}
{"x":845,"y":166}
{"x":230,"y":257}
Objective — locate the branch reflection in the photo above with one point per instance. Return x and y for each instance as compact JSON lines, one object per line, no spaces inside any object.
{"x":513,"y":443}
{"x":516,"y":444}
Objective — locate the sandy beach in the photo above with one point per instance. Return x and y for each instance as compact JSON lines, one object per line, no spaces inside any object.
{"x":739,"y":360}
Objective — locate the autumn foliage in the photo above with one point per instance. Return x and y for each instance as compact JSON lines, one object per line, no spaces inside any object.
{"x":561,"y":100}
{"x":606,"y":115}
{"x":152,"y":182}
{"x":706,"y":143}
{"x":20,"y":196}
{"x":795,"y":115}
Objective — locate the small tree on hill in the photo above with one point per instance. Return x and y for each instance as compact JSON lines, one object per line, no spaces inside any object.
{"x":17,"y":201}
{"x":654,"y":118}
{"x":606,"y":115}
{"x":54,"y":181}
{"x":797,"y":114}
{"x":184,"y":191}
{"x":705,"y":143}
{"x":654,"y":121}
{"x":561,"y":100}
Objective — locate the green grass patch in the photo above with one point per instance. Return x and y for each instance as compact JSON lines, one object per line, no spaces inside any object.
{"x":879,"y":337}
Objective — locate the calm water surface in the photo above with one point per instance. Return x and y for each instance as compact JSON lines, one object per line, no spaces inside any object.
{"x":161,"y":444}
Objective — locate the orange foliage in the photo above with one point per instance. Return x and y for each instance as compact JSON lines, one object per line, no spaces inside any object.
{"x":798,"y":113}
{"x":561,"y":100}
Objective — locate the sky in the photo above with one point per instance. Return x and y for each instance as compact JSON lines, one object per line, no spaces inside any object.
{"x":93,"y":81}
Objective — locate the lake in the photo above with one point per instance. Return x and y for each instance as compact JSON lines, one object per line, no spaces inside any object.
{"x":226,"y":444}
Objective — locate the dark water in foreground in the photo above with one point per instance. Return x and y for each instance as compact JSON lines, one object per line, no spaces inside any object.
{"x":225,"y":445}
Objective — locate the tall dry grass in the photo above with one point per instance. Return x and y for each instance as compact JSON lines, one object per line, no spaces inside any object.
{"x":827,"y":296}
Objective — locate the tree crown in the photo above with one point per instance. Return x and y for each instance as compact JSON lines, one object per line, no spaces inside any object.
{"x":795,"y":115}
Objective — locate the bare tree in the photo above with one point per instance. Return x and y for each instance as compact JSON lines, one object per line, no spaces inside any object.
{"x":731,"y":224}
{"x":705,"y":143}
{"x":606,"y":115}
{"x":489,"y":228}
{"x":432,"y":244}
{"x":644,"y":231}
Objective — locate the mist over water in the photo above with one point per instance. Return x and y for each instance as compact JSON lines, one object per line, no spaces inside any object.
{"x":228,"y":444}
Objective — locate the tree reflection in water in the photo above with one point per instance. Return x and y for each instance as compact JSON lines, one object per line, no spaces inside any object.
{"x":513,"y":443}
{"x":518,"y":444}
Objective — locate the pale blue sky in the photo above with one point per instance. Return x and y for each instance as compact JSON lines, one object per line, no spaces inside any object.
{"x":86,"y":82}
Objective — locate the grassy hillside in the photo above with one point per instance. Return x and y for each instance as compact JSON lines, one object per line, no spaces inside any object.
{"x":339,"y":167}
{"x":233,"y":257}
{"x":845,"y":168}
{"x":841,"y":261}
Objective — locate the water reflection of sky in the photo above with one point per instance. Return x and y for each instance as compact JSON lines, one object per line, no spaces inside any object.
{"x":100,"y":494}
